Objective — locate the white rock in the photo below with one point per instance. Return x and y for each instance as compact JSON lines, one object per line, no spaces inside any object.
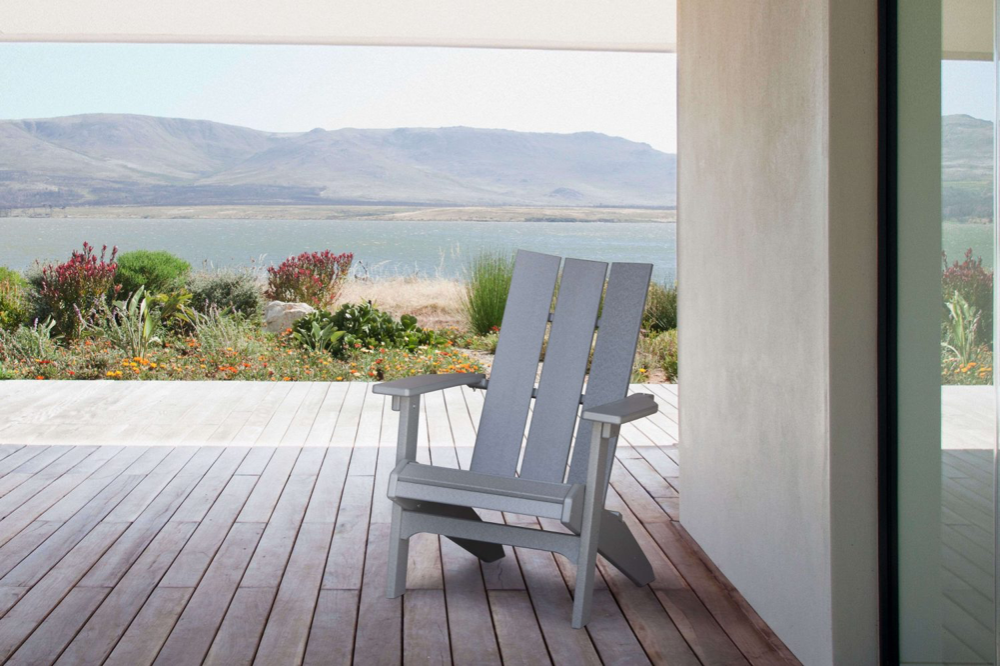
{"x":279,"y":316}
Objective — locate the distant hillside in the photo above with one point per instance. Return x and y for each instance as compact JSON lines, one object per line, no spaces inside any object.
{"x":111,"y":159}
{"x":967,"y":169}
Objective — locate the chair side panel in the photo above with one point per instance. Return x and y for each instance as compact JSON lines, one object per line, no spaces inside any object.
{"x":558,"y":398}
{"x":505,"y":409}
{"x":614,"y":352}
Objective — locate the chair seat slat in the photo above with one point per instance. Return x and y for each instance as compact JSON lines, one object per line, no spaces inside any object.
{"x":484,"y":491}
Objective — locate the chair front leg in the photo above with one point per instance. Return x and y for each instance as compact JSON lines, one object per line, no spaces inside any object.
{"x":406,"y":449}
{"x":593,"y":508}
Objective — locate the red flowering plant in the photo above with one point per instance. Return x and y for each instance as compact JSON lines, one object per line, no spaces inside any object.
{"x":315,"y":278}
{"x":974,"y":284}
{"x":71,"y":289}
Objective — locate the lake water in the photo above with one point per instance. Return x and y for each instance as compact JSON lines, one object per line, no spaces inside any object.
{"x":384,"y":248}
{"x":957,"y":238}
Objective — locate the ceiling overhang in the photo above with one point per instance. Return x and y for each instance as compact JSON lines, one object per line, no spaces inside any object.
{"x":967,"y":29}
{"x":615,"y":25}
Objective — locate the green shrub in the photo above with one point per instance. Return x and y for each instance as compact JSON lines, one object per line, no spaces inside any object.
{"x":15,"y":307}
{"x":486,"y":289}
{"x":656,"y":353}
{"x":318,"y":332}
{"x":367,"y":326}
{"x":175,"y":310}
{"x":362,"y":325}
{"x":227,"y":291}
{"x":157,"y":272}
{"x":661,"y":308}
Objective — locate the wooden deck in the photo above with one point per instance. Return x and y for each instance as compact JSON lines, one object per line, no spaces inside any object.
{"x":967,"y":547}
{"x":967,"y":530}
{"x":264,"y":542}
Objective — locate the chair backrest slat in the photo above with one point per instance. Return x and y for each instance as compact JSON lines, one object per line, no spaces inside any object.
{"x":566,"y":355}
{"x":614,"y":353}
{"x":515,"y":364}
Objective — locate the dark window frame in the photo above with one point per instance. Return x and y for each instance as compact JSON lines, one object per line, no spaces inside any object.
{"x":887,"y":309}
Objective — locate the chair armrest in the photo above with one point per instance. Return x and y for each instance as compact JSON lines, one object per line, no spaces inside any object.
{"x":413,"y":386}
{"x":636,"y":406}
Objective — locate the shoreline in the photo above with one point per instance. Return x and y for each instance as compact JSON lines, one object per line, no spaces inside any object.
{"x":526,"y":214}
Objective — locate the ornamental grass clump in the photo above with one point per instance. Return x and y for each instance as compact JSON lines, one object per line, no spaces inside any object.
{"x":656,"y":354}
{"x":68,"y":292}
{"x":14,"y":304}
{"x":35,"y":344}
{"x":220,"y":331}
{"x":661,"y":308}
{"x":316,"y":278}
{"x":486,"y":289}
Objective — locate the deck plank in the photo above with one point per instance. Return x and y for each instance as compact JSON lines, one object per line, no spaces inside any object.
{"x":198,"y":552}
{"x":194,"y":632}
{"x":59,"y":628}
{"x":518,"y":633}
{"x":151,"y":627}
{"x":378,"y":639}
{"x":425,"y":628}
{"x":283,"y":638}
{"x":141,"y":532}
{"x":331,"y":637}
{"x":45,"y":594}
{"x":99,"y":633}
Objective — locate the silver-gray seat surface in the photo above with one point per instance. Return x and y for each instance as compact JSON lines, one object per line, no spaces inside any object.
{"x":411,"y":480}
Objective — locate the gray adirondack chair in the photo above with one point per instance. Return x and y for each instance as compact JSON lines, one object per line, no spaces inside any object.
{"x":443,"y":501}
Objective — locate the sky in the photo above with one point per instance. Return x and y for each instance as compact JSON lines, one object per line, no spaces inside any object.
{"x":967,"y":87}
{"x":299,"y":88}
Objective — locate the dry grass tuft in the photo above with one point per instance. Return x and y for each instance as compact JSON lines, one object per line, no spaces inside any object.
{"x":435,"y":302}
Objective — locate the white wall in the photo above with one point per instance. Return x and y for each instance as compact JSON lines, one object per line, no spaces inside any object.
{"x":644,"y":25}
{"x":777,"y":267}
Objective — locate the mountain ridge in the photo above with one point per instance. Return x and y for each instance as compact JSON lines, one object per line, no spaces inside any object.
{"x":123,"y":159}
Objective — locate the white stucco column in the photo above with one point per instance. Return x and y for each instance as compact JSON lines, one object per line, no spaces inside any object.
{"x":777,"y":271}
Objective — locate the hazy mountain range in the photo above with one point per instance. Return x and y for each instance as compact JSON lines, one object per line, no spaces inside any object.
{"x":115,"y":159}
{"x":967,"y":169}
